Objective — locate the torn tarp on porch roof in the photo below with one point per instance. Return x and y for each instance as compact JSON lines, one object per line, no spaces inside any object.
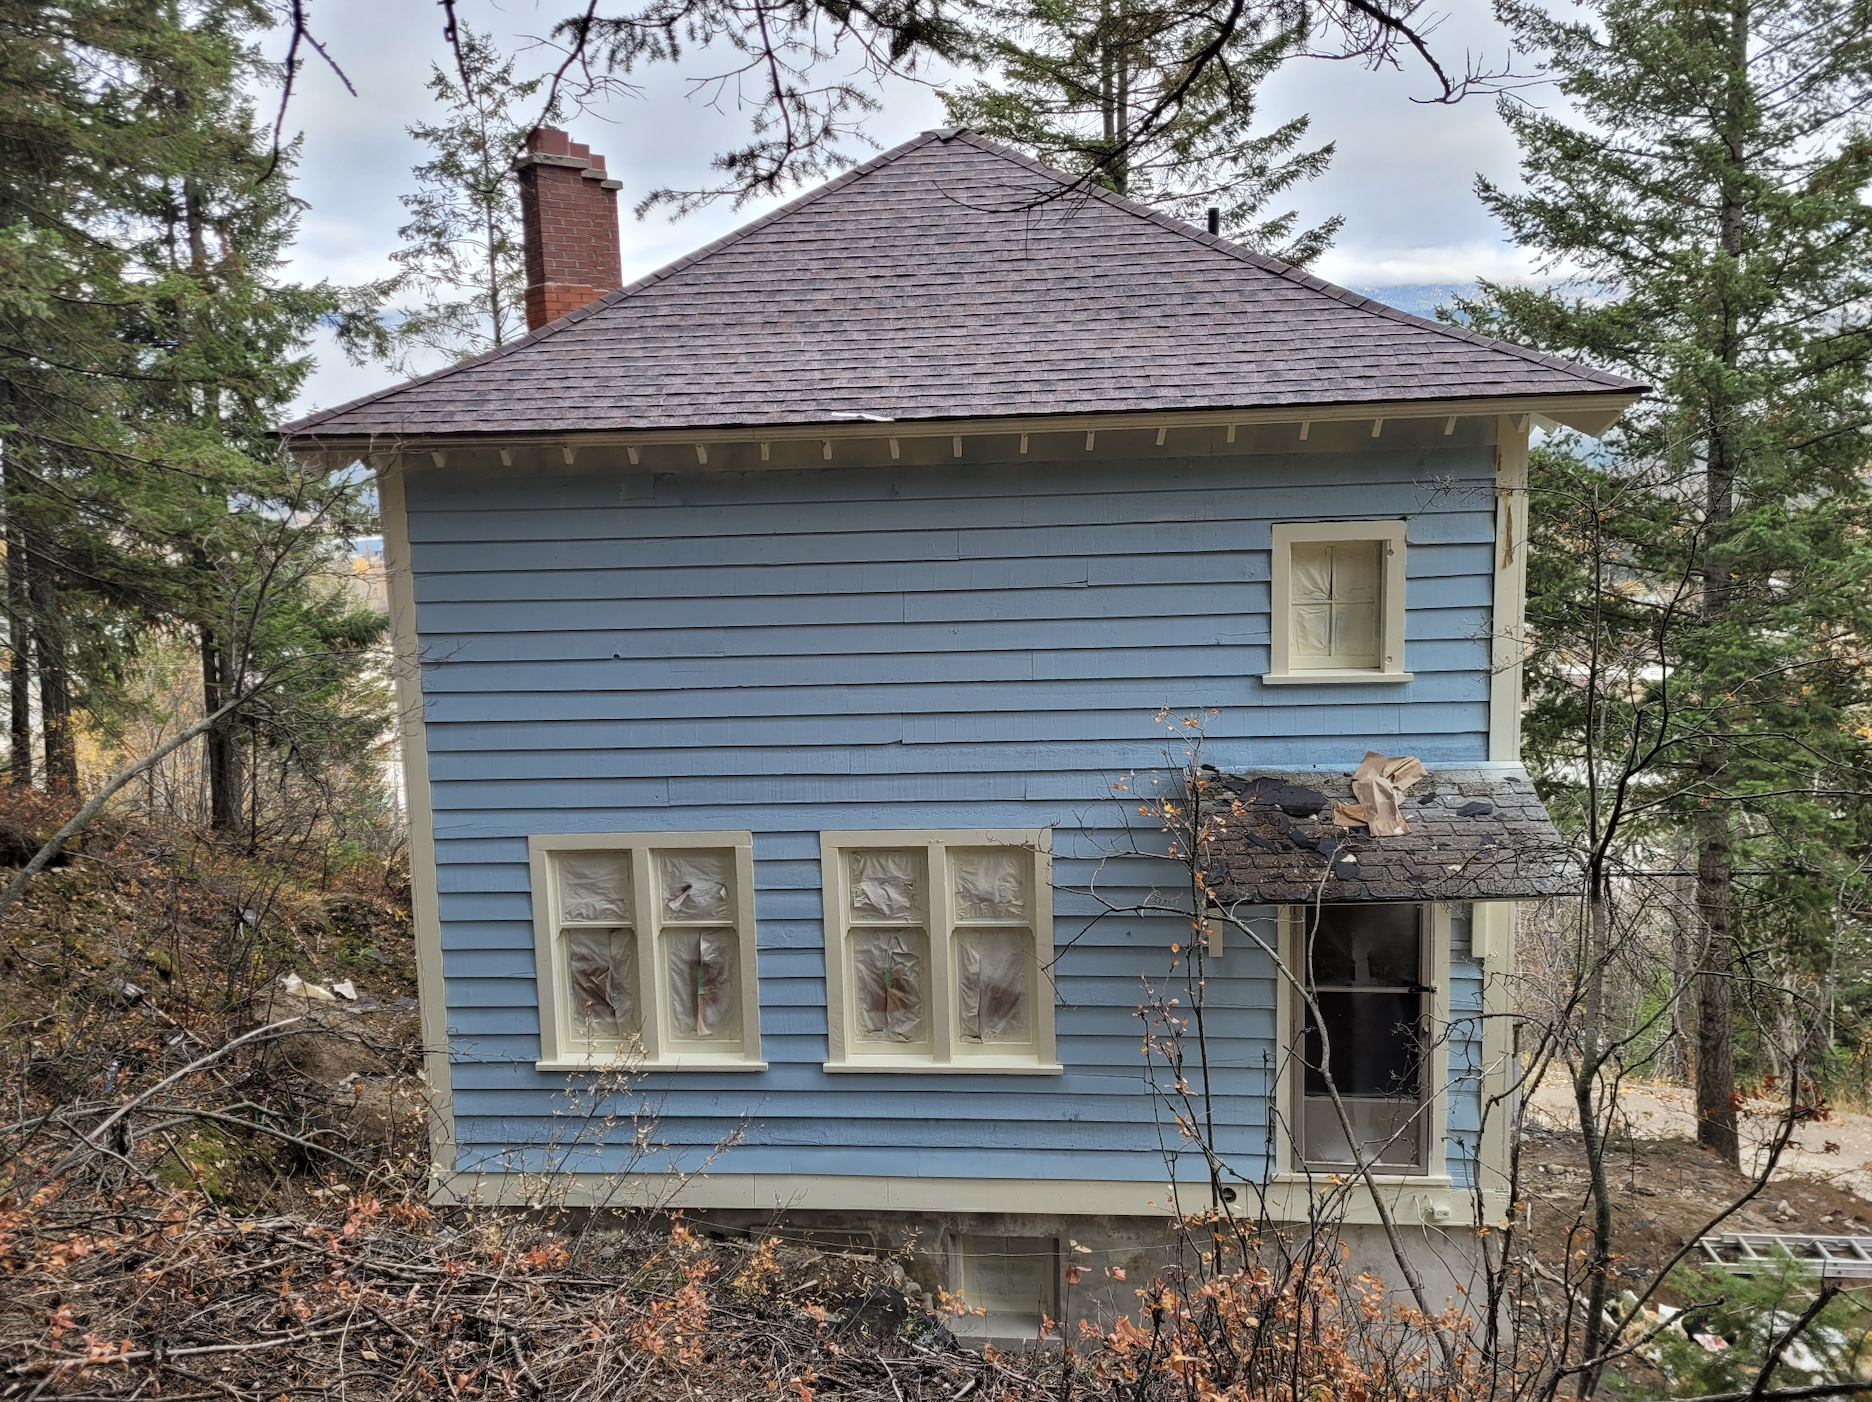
{"x":1475,"y":835}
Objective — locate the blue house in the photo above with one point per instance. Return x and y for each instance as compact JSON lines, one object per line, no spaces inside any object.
{"x":783,"y":637}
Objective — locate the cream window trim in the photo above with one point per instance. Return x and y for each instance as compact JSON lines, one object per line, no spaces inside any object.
{"x":653,"y":928}
{"x":1290,"y":1018}
{"x":1284,"y":667}
{"x":930,"y":924}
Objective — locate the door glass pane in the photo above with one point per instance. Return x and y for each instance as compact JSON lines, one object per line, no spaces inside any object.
{"x":1371,"y":1044}
{"x":1365,"y":946}
{"x":1385,"y":1129}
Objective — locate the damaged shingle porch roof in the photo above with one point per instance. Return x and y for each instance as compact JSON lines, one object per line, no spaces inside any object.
{"x":955,"y":279}
{"x":1475,"y":835}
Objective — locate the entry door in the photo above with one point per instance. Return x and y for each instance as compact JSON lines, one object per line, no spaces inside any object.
{"x":1368,"y":969}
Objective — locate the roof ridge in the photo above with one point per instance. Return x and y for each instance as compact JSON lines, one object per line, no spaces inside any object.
{"x":1287,"y":271}
{"x":580,"y":314}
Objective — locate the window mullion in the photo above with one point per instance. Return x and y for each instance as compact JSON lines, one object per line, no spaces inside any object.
{"x":942,"y":965}
{"x":649,"y":966}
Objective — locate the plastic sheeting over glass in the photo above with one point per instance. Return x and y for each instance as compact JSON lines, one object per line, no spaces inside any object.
{"x":885,"y":885}
{"x":701,"y":972}
{"x":695,"y":885}
{"x":601,"y":975}
{"x":889,"y":971}
{"x":991,"y":883}
{"x":993,"y":985}
{"x":595,"y":888}
{"x":1334,"y":597}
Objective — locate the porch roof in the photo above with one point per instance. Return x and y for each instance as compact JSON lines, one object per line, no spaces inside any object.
{"x":1476,"y":834}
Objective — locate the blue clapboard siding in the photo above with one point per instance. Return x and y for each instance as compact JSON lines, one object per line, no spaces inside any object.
{"x":900,"y":647}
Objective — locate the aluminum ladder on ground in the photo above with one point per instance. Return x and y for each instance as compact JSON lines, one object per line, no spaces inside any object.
{"x":1753,"y":1253}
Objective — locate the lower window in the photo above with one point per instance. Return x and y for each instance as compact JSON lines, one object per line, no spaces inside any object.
{"x":1367,"y":969}
{"x":937,"y":946}
{"x":644,"y":948}
{"x":1010,"y":1276}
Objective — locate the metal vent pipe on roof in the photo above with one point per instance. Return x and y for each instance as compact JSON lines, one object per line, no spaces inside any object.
{"x":1215,"y":220}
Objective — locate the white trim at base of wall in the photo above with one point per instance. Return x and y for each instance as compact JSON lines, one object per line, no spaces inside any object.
{"x":1429,"y":1202}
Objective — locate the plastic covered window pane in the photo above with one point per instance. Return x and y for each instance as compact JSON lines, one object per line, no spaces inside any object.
{"x":991,"y":883}
{"x":595,"y":888}
{"x":993,"y":986}
{"x":695,"y":885}
{"x":1355,"y":633}
{"x":701,"y":971}
{"x":890,"y":974}
{"x":1355,"y":569}
{"x":1310,"y":572}
{"x":885,"y":885}
{"x":601,"y":975}
{"x":1312,"y":632}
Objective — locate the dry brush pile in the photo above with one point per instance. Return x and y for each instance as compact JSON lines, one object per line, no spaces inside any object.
{"x":210,"y":1188}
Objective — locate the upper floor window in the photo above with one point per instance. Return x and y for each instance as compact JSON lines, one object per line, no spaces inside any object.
{"x":644,"y":950}
{"x":937,"y":951}
{"x":1337,"y":602}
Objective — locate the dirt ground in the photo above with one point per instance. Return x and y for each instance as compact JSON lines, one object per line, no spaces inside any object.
{"x":1836,"y":1150}
{"x":1667,"y":1189}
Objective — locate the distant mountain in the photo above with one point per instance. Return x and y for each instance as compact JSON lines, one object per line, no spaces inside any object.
{"x":1419,"y":298}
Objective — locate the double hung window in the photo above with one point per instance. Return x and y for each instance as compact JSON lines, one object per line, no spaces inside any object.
{"x":644,"y":946}
{"x":937,"y":951}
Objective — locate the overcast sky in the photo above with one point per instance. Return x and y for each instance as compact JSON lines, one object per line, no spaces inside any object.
{"x":1404,"y":172}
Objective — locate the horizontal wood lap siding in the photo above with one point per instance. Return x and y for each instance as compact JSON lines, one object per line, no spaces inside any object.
{"x":955,"y":647}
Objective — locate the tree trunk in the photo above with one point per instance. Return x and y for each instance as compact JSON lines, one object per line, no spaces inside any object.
{"x":1715,"y":1059}
{"x":1715,"y":1079}
{"x":221,"y":743}
{"x":55,"y":702}
{"x":19,"y":661}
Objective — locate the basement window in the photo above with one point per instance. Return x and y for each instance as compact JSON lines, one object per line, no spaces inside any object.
{"x":644,"y":947}
{"x":1337,"y":613}
{"x":1011,"y":1277}
{"x":936,"y":950}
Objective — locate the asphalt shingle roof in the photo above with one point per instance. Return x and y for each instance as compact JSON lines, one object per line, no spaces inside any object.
{"x":1475,"y":835}
{"x":953,"y":278}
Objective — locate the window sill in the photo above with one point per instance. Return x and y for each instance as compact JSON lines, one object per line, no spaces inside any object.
{"x":1384,"y":1180}
{"x":692,"y":1061}
{"x":962,"y":1066}
{"x":1342,"y":678}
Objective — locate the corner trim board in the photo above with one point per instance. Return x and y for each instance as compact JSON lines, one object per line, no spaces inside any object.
{"x":425,"y":901}
{"x":1508,"y":614}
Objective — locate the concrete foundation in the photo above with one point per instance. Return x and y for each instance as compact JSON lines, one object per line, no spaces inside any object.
{"x":1017,"y":1266}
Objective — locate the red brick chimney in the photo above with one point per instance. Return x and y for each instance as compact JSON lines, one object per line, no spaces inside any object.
{"x":568,"y":207}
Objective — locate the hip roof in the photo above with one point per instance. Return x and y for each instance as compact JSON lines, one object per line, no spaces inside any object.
{"x":953,"y":278}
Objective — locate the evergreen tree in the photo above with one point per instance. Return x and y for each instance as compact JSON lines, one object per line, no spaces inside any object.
{"x":147,"y":346}
{"x":461,"y":253}
{"x":1709,"y":185}
{"x":1149,"y":101}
